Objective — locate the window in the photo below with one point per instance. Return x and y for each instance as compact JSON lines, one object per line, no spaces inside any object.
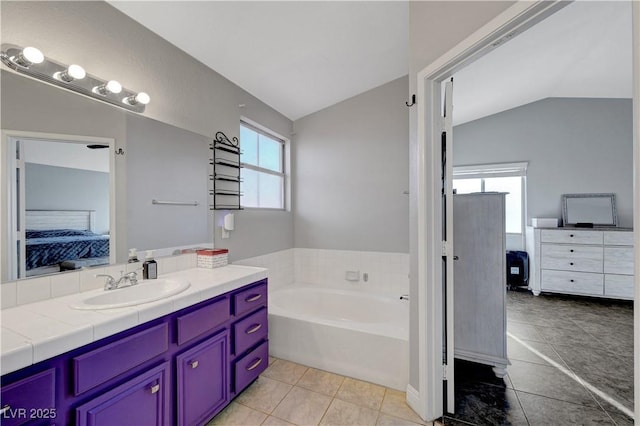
{"x":509,"y":178}
{"x":263,"y":168}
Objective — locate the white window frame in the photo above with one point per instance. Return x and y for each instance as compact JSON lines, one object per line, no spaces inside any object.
{"x":258,"y":128}
{"x":484,"y":171}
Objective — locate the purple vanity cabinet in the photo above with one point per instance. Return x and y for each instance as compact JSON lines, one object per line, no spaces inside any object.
{"x":202,"y":380}
{"x":180,"y":369}
{"x":143,"y":400}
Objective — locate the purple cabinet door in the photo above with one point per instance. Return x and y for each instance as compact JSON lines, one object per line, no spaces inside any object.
{"x":202,"y":380}
{"x":30,"y":400}
{"x":139,"y":402}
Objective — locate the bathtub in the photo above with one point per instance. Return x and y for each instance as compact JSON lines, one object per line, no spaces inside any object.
{"x":356,"y":334}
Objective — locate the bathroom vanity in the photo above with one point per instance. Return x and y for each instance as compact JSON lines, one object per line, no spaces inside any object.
{"x":179,"y":368}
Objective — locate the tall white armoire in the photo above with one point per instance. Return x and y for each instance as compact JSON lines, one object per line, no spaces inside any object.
{"x":480,"y":320}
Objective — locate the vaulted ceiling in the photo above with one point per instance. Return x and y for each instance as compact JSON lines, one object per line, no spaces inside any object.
{"x":300,"y":57}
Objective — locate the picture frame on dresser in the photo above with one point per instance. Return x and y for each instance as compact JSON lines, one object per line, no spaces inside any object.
{"x":589,"y":210}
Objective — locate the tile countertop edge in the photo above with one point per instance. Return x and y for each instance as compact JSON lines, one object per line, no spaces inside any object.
{"x":205,"y":284}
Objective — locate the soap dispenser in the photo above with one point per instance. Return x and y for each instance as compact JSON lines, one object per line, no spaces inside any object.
{"x":133,"y":255}
{"x":149,"y":267}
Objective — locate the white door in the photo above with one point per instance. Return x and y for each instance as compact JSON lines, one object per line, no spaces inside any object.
{"x":447,"y":253}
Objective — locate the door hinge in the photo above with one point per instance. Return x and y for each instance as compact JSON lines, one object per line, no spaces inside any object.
{"x":445,"y":369}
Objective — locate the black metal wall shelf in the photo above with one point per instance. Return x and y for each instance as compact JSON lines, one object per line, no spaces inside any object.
{"x":226,"y":173}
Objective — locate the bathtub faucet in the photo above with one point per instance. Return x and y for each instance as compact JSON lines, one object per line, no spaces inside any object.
{"x":404,"y":297}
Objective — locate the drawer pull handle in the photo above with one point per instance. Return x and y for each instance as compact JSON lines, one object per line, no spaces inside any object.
{"x":194,"y":364}
{"x":254,"y":365}
{"x":253,"y":298}
{"x":573,"y":281}
{"x":571,"y":235}
{"x":5,"y":409}
{"x":155,"y":388}
{"x":571,"y":263}
{"x":253,"y":328}
{"x":571,"y":250}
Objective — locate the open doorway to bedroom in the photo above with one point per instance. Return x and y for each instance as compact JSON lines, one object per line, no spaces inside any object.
{"x":58,"y":204}
{"x":571,"y":348}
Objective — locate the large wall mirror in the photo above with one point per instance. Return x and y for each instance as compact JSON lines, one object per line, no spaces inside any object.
{"x":68,"y":184}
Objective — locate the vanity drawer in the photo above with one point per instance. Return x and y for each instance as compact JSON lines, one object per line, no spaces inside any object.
{"x":583,"y":258}
{"x":250,"y":299}
{"x":250,"y":331}
{"x":572,"y":282}
{"x":619,"y":286}
{"x":570,"y":236}
{"x":249,"y":367}
{"x":203,"y":320}
{"x":618,"y":260}
{"x":35,"y":394}
{"x":98,"y":366}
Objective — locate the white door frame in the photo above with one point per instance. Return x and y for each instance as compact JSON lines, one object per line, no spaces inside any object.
{"x":427,"y":400}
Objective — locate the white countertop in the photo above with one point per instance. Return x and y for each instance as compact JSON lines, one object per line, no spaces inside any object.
{"x":38,"y":331}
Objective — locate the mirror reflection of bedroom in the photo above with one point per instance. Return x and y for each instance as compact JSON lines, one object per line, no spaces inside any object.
{"x":60,"y":206}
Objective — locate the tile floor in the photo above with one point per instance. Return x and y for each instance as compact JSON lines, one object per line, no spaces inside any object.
{"x":292,"y":394}
{"x":591,"y":338}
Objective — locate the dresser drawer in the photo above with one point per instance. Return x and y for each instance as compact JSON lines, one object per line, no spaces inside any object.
{"x":203,"y":320}
{"x":583,"y":258}
{"x":619,"y":286}
{"x":249,"y":367}
{"x":249,"y":299}
{"x":618,"y":260}
{"x":572,"y":282}
{"x":98,"y":366}
{"x":570,"y":236}
{"x":35,"y":394}
{"x":618,"y":238}
{"x":250,"y":331}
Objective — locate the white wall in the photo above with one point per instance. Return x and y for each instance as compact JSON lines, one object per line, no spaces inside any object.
{"x":350,"y":172}
{"x":573,"y":145}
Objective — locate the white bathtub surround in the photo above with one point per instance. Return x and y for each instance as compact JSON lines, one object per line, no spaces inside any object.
{"x":280,"y":265}
{"x":362,"y":335}
{"x":385,"y":273}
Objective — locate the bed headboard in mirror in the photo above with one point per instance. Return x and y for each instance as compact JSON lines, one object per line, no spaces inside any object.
{"x":589,"y":210}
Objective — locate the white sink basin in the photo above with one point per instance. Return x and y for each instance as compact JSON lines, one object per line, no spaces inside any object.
{"x":144,"y":292}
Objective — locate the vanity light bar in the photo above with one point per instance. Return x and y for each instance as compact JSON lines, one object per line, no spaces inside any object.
{"x":32,"y":62}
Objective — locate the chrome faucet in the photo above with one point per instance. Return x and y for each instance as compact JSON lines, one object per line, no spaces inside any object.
{"x":111,"y":283}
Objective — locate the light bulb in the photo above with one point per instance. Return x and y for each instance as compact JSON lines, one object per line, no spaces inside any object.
{"x":73,"y":72}
{"x":109,"y":87}
{"x":140,"y":98}
{"x":113,"y":86}
{"x":28,"y":56}
{"x":33,"y":55}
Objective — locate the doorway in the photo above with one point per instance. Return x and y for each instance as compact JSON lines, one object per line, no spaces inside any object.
{"x":429,"y":80}
{"x":59,"y":203}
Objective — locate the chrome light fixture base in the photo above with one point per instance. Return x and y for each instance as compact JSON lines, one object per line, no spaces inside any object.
{"x":48,"y":69}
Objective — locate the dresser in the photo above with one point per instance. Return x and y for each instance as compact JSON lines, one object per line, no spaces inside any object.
{"x":479,"y":275}
{"x":588,"y":262}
